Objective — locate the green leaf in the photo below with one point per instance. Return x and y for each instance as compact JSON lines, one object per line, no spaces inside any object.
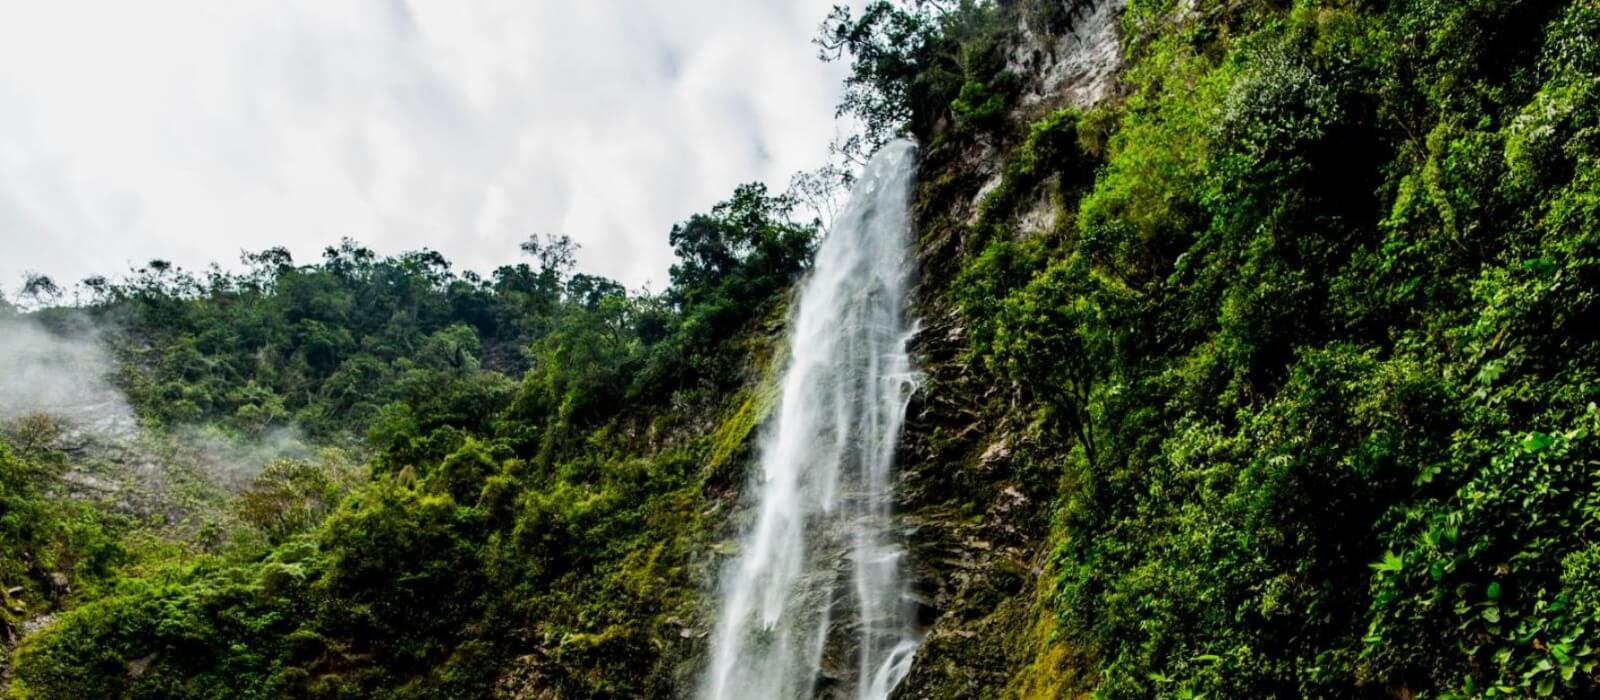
{"x":1494,"y":591}
{"x":1546,"y":687}
{"x":1391,"y":562}
{"x":1542,"y":266}
{"x":1537,"y":441}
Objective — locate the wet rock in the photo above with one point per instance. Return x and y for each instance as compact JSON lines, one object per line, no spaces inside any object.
{"x":996,"y":451}
{"x":137,"y":667}
{"x":36,"y":623}
{"x":525,"y":679}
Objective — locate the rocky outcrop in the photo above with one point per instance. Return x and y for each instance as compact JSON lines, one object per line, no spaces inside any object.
{"x":1073,"y":63}
{"x":975,"y":491}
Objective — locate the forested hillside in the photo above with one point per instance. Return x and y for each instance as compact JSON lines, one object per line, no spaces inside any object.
{"x":1261,"y":343}
{"x":521,"y":477}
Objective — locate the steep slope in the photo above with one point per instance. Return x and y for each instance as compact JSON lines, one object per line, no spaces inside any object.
{"x":1267,"y":371}
{"x":535,"y":527}
{"x":978,"y":493}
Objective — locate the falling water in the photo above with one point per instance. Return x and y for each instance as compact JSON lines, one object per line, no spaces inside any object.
{"x":815,"y":604}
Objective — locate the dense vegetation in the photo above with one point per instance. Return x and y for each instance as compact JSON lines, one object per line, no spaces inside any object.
{"x":1314,"y":332}
{"x":1296,"y":340}
{"x":535,"y":466}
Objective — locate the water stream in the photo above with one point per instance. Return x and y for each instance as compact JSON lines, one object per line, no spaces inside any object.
{"x":816,"y":603}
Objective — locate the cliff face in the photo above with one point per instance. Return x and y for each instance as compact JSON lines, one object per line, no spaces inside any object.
{"x":1259,"y":342}
{"x":977,"y":498}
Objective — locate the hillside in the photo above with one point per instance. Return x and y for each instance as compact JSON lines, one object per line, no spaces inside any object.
{"x":1259,"y":349}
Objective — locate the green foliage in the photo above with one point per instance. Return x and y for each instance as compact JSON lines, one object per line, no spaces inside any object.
{"x":531,"y":503}
{"x":734,"y":265}
{"x":1051,"y":151}
{"x":290,"y":496}
{"x":976,"y":106}
{"x":1319,"y":351}
{"x":1307,"y":369}
{"x":916,"y":63}
{"x":157,"y":639}
{"x":47,"y":545}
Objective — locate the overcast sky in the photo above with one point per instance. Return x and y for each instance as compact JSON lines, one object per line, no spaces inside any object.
{"x":191,"y":130}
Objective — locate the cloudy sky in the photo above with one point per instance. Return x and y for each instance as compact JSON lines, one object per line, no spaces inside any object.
{"x":190,"y":130}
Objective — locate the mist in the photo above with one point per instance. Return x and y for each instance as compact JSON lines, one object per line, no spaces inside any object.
{"x":66,"y":376}
{"x":69,"y":375}
{"x":231,"y":461}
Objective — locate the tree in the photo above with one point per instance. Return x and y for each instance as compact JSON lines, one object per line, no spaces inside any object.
{"x":100,"y":289}
{"x":911,"y":60}
{"x":888,"y":45}
{"x":39,"y":290}
{"x":349,"y":260}
{"x":557,"y":254}
{"x":290,"y":496}
{"x":819,"y":190}
{"x":750,"y":234}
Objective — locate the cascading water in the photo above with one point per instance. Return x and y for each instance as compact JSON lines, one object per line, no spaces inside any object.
{"x":815,"y":604}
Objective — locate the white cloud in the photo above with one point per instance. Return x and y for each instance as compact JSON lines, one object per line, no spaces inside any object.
{"x":192,"y":129}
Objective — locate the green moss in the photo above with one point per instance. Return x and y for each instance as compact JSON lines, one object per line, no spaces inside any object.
{"x":1051,"y":148}
{"x":732,"y":436}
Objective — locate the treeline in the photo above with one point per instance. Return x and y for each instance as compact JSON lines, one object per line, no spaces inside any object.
{"x":535,"y":460}
{"x":328,"y":346}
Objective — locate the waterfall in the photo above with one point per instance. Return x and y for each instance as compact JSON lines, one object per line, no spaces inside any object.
{"x":815,"y":604}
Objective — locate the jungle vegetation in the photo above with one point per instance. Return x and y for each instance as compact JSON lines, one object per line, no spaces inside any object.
{"x":1305,"y":362}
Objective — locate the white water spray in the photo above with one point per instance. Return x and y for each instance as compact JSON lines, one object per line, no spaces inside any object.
{"x":815,"y":604}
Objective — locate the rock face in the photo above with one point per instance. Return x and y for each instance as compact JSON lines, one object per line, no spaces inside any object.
{"x":970,"y":500}
{"x":1076,"y":67}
